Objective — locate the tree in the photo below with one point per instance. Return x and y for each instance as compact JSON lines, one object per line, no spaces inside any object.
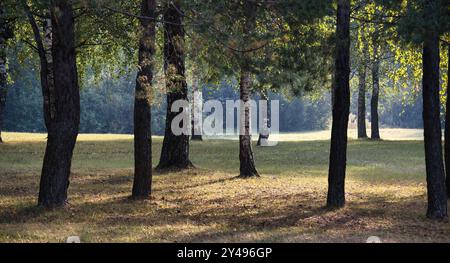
{"x":447,"y":127}
{"x":263,"y":44}
{"x":142,"y":104}
{"x":230,"y":35}
{"x":67,"y":36}
{"x":247,"y":166}
{"x":5,"y":34}
{"x":341,"y":107}
{"x":374,"y":120}
{"x":175,"y":149}
{"x":362,"y":72}
{"x":59,"y":81}
{"x":437,"y":199}
{"x":433,"y":22}
{"x":376,"y":28}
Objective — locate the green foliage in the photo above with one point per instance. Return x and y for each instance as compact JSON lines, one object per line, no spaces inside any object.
{"x":105,"y":41}
{"x":420,"y":17}
{"x":394,"y":31}
{"x":23,"y":110}
{"x":283,"y":43}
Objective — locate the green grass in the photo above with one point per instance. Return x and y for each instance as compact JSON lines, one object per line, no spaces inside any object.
{"x":386,"y":194}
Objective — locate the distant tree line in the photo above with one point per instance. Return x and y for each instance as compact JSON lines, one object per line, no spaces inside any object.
{"x":106,"y":106}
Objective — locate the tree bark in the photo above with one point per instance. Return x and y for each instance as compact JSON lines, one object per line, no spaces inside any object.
{"x":5,"y":34}
{"x":247,"y":166}
{"x":437,"y":198}
{"x":447,"y":127}
{"x":142,"y":182}
{"x":175,"y":149}
{"x":59,"y":81}
{"x":3,"y":92}
{"x":3,"y":76}
{"x":341,"y":107}
{"x":375,"y":130}
{"x":362,"y":133}
{"x":196,"y":111}
{"x":362,"y":74}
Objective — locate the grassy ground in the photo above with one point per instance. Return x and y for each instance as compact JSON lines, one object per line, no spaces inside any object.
{"x":385,"y":193}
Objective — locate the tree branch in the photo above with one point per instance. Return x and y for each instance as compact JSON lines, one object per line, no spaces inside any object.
{"x":86,"y":44}
{"x":37,"y":35}
{"x":30,"y":45}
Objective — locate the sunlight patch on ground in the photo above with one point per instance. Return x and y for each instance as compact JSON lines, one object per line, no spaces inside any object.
{"x":386,"y":134}
{"x":40,"y":137}
{"x":393,"y":134}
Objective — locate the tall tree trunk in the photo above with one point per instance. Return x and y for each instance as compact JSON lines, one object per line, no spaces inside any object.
{"x":362,"y":73}
{"x":197,"y":101}
{"x":175,"y":149}
{"x":362,"y":133}
{"x":375,"y":130}
{"x":61,"y":105}
{"x":246,"y":159}
{"x":447,"y":127}
{"x":5,"y":34}
{"x":3,"y":75}
{"x":247,"y":167}
{"x":3,"y":90}
{"x":142,"y":105}
{"x":264,"y":135}
{"x":341,"y":107}
{"x":437,"y":197}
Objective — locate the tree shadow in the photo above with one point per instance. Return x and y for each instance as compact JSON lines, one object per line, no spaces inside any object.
{"x":22,"y":214}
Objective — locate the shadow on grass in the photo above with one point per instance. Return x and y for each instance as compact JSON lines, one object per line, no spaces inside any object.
{"x":22,"y":214}
{"x":354,"y":223}
{"x":278,"y":218}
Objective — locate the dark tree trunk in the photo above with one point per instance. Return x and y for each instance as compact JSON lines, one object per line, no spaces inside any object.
{"x":5,"y":34}
{"x":447,"y":128}
{"x":3,"y":93}
{"x":362,"y":133}
{"x":142,"y":105}
{"x":3,"y":78}
{"x":175,"y":149}
{"x":59,"y":80}
{"x":196,"y":111}
{"x":375,"y":130}
{"x":247,"y":167}
{"x":264,"y":135}
{"x":246,"y":159}
{"x":362,"y":73}
{"x":341,"y":107}
{"x":437,"y":197}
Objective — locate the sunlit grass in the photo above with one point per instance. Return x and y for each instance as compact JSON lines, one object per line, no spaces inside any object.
{"x":393,"y":134}
{"x":20,"y":137}
{"x":386,"y":194}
